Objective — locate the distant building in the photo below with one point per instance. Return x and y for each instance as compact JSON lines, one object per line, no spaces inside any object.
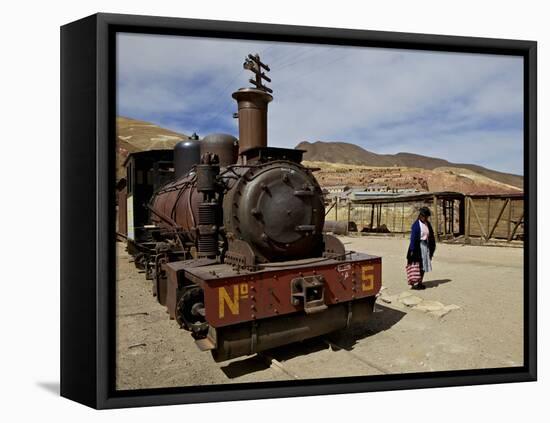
{"x":336,"y":189}
{"x":377,"y":188}
{"x":364,"y":195}
{"x":405,"y":190}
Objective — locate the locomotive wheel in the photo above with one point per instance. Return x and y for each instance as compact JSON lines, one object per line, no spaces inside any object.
{"x":139,"y":260}
{"x":190,"y":312}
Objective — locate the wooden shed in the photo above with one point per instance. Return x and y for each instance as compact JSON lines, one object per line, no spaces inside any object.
{"x":481,"y":216}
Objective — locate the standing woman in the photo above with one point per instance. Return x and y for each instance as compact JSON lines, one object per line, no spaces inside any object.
{"x":421,"y":249}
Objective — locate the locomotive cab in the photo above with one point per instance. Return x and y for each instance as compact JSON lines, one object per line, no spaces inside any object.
{"x":146,"y":172}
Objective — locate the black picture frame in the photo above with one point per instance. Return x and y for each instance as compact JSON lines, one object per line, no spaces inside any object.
{"x":88,"y":194}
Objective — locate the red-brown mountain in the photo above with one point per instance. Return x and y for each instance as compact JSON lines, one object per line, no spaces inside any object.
{"x":341,"y":152}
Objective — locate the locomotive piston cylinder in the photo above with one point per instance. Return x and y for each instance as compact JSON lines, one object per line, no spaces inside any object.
{"x":207,"y":173}
{"x":206,"y":177}
{"x":208,"y":230}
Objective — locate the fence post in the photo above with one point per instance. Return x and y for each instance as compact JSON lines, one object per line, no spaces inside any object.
{"x":509,"y":229}
{"x":393,"y":220}
{"x":493,"y":229}
{"x":436,"y":220}
{"x":467,"y":219}
{"x":403,"y":217}
{"x":488,"y":217}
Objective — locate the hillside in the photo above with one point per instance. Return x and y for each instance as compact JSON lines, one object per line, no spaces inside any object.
{"x":403,"y":177}
{"x":345,"y":153}
{"x":345,"y":164}
{"x":136,"y":135}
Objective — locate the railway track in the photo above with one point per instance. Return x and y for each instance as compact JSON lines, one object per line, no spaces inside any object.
{"x":270,"y":359}
{"x":277,"y":365}
{"x":356,"y":356}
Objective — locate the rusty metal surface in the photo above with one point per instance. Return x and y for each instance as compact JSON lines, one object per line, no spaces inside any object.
{"x":280,"y":268}
{"x":240,"y":254}
{"x":175,"y":272}
{"x":254,"y":64}
{"x":251,"y":337}
{"x":337,"y":227}
{"x":309,"y":292}
{"x":269,"y":154}
{"x":159,"y":281}
{"x":225,"y":146}
{"x":282,"y":280}
{"x":186,"y":155}
{"x":274,"y":204}
{"x":178,"y":200}
{"x":122,"y":211}
{"x":277,"y":209}
{"x":333,"y":247}
{"x":233,"y":296}
{"x":252,"y":106}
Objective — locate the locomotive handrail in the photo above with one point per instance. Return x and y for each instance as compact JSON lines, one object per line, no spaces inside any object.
{"x":286,"y":265}
{"x":163,"y":217}
{"x":175,"y":187}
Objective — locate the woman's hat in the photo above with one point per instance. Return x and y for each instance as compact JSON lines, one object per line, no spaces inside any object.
{"x":425,"y":211}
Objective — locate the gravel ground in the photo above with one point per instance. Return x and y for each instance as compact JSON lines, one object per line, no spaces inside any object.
{"x":470,"y":316}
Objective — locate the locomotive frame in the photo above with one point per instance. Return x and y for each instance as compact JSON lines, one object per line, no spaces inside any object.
{"x":88,"y":218}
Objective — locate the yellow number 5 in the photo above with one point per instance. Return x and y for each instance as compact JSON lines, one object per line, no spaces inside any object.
{"x":368,"y":278}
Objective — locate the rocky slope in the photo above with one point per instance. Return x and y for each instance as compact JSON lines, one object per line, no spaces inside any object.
{"x":345,"y":164}
{"x":402,"y":177}
{"x":341,"y":152}
{"x":136,"y":135}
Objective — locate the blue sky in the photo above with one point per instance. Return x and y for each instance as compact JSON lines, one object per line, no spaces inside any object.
{"x":465,"y":108}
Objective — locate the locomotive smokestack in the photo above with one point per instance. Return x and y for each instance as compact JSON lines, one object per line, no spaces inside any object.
{"x":252,"y":104}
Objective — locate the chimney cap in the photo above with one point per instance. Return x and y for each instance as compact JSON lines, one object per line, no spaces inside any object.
{"x":249,"y":93}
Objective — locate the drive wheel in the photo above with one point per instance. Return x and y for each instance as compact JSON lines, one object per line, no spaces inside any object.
{"x":190,"y":312}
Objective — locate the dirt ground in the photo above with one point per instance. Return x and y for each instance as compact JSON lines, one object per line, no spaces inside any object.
{"x":479,"y":326}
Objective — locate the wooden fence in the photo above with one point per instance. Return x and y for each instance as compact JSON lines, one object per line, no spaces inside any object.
{"x":494,"y":217}
{"x":453,"y":214}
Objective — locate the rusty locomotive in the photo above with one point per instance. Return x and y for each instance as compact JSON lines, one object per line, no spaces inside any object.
{"x":234,"y":242}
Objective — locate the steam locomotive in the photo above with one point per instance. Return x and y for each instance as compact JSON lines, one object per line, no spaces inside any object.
{"x":233,"y":240}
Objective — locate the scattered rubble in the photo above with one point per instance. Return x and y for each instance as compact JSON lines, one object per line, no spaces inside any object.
{"x":428,"y":305}
{"x":411,"y":300}
{"x":431,"y":307}
{"x":439,"y":313}
{"x":443,"y":311}
{"x":388,"y":299}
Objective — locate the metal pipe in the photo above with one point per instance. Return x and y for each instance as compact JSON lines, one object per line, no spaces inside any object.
{"x":252,"y":105}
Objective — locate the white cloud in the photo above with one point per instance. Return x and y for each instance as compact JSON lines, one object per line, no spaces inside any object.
{"x":461,"y":107}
